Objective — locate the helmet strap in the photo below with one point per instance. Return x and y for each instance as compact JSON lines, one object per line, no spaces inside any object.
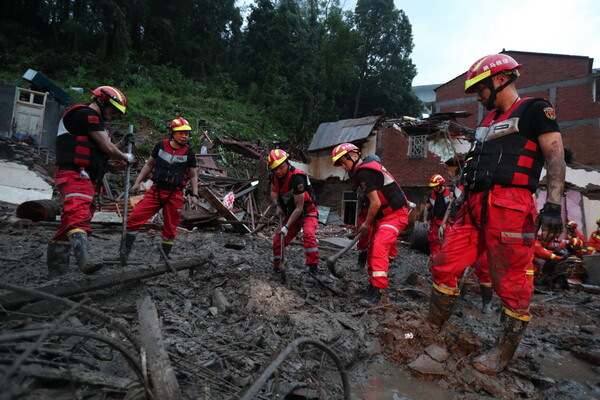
{"x":489,"y":104}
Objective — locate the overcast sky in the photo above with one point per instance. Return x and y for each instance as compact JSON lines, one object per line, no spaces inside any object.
{"x":450,"y":35}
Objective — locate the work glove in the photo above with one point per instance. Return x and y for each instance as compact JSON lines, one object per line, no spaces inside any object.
{"x":130,"y":158}
{"x":550,"y":220}
{"x":284,"y":230}
{"x":441,"y":232}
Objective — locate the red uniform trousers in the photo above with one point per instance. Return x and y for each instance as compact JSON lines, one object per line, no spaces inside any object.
{"x":384,"y":245}
{"x":78,"y":203}
{"x":171,"y":203}
{"x":506,"y":234}
{"x":433,"y":236}
{"x":482,"y":270}
{"x":308,"y":223}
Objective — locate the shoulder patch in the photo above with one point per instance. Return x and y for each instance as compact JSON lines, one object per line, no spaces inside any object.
{"x":93,"y":119}
{"x":550,"y":113}
{"x":363,"y":186}
{"x":300,"y":187}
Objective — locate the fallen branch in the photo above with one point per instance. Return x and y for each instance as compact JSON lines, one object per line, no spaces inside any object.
{"x":96,"y":282}
{"x":161,"y":371}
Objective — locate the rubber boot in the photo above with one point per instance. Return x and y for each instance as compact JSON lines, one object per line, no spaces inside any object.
{"x":82,"y":256}
{"x":361,"y":262}
{"x":497,"y":358}
{"x":125,"y":251}
{"x":57,"y":258}
{"x":313,"y":269}
{"x":486,"y":299}
{"x":372,"y":296}
{"x":279,"y":275}
{"x":440,"y":307}
{"x":166,"y":246}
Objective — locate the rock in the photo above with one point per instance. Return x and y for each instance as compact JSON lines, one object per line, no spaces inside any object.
{"x":427,"y":366}
{"x":437,"y":353}
{"x":219,"y":300}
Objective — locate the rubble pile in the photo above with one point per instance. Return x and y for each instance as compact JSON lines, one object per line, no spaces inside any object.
{"x":210,"y":321}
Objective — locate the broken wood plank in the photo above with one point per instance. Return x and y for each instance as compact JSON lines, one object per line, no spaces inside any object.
{"x":74,"y":374}
{"x":161,"y":371}
{"x":96,"y":282}
{"x":222,"y":210}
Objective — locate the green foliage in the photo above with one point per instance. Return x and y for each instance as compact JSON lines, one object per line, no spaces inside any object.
{"x":293,"y":65}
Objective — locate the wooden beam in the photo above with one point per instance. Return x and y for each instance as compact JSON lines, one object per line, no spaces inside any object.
{"x":222,"y":210}
{"x":163,"y":378}
{"x":91,"y":283}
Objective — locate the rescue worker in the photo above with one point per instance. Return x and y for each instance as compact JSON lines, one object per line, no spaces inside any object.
{"x":498,"y":215}
{"x":594,"y":242}
{"x":83,"y":147}
{"x":439,"y":199}
{"x":170,"y":166}
{"x":575,"y":246}
{"x":573,"y":232}
{"x":363,"y":242}
{"x":292,"y":195}
{"x":387,"y":214}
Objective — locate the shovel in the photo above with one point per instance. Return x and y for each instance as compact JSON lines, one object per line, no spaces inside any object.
{"x":126,"y":201}
{"x":333,"y":259}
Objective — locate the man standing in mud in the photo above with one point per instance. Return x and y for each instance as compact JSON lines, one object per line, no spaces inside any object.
{"x":386,"y":217}
{"x":171,"y":165}
{"x":293,"y":198}
{"x":498,"y":214}
{"x":83,"y":147}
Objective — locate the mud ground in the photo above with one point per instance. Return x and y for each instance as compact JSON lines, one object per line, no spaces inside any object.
{"x":234,"y":338}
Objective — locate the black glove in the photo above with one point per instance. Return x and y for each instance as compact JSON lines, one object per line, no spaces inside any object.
{"x":550,"y":220}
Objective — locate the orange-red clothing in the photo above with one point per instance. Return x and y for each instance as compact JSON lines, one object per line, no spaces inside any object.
{"x":593,"y":245}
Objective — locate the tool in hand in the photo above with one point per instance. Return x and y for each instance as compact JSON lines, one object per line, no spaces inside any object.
{"x":333,"y":259}
{"x":122,"y":256}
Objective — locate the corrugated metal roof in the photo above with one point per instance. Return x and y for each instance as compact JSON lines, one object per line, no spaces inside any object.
{"x":331,"y":134}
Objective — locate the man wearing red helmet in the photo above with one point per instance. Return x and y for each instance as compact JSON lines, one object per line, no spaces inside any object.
{"x":387,"y":214}
{"x":439,"y":199}
{"x":498,"y":215}
{"x":293,"y":197}
{"x":83,"y":147}
{"x":171,"y":165}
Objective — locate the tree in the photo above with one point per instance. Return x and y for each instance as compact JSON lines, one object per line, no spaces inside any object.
{"x":385,"y":68}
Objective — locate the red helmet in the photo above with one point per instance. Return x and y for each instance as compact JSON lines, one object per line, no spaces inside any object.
{"x":571,"y":225}
{"x":179,"y":125}
{"x":340,"y":150}
{"x":437,"y":179}
{"x":576,"y":242}
{"x":489,"y":66}
{"x":113,"y":95}
{"x":276,"y":157}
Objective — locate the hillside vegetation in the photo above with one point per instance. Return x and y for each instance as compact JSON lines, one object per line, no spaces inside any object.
{"x":272,"y":70}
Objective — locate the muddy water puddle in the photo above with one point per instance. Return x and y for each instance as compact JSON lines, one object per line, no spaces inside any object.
{"x":563,"y":366}
{"x":387,"y":382}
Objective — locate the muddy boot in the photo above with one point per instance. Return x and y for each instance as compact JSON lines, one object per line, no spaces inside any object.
{"x":278,"y":275}
{"x":313,"y":270}
{"x":57,"y":258}
{"x":496,"y":359}
{"x":486,"y":299}
{"x":372,"y":297}
{"x":166,"y":247}
{"x":124,"y":251}
{"x":82,"y":256}
{"x":361,"y":262}
{"x":440,"y":307}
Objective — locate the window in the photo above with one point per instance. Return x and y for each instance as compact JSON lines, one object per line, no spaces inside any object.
{"x":417,"y":146}
{"x":596,"y":90}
